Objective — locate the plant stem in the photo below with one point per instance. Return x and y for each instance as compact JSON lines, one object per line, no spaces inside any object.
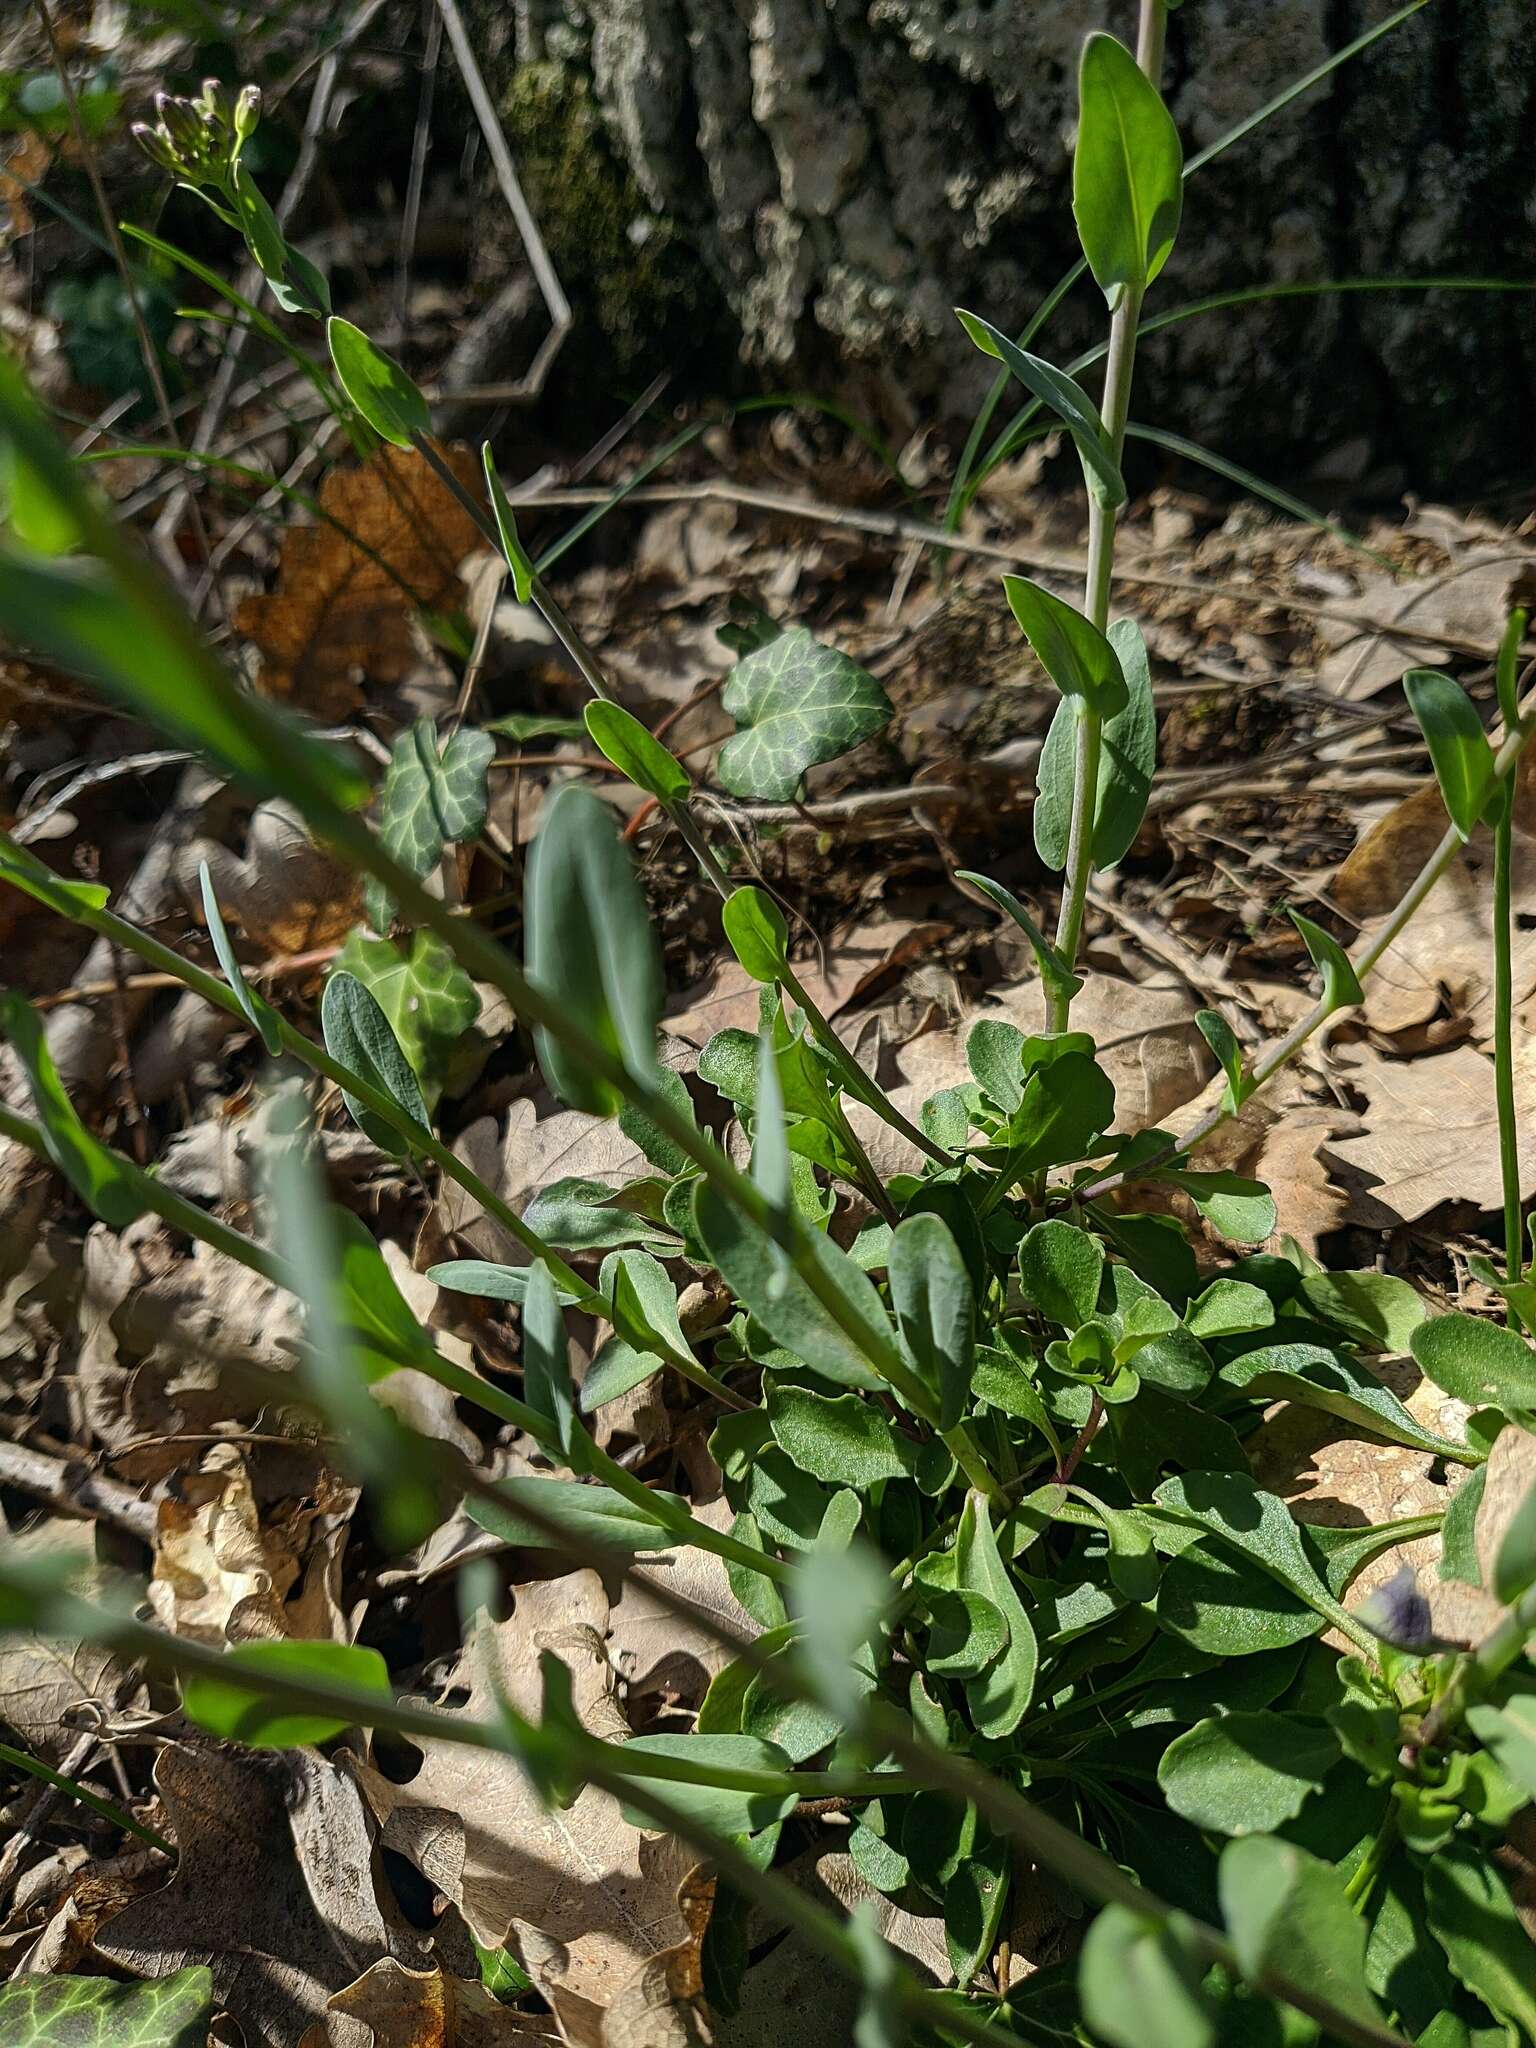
{"x":1364,"y":962}
{"x":1503,"y":1040}
{"x":859,"y":1084}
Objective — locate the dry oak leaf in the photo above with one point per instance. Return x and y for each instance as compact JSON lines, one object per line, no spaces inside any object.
{"x":41,"y":1679}
{"x":1430,"y":1133}
{"x":348,"y":592}
{"x":522,"y":1876}
{"x":274,"y":1890}
{"x":399,"y":2008}
{"x":1462,"y":1613}
{"x":219,"y":1577}
{"x":286,"y":894}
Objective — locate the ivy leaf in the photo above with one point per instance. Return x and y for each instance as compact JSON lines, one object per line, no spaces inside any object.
{"x":99,"y":2012}
{"x":428,"y":999}
{"x":795,"y":703}
{"x":429,"y":800}
{"x":92,"y":1170}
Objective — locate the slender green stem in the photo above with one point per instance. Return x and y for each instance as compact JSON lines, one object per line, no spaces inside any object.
{"x":861,"y":1086}
{"x":1504,"y":1040}
{"x":1363,"y":962}
{"x":119,"y":1816}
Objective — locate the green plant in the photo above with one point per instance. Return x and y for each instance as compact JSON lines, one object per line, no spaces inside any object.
{"x":1009,"y":1589}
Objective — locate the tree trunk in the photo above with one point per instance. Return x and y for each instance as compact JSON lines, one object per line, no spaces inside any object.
{"x":847,"y":171}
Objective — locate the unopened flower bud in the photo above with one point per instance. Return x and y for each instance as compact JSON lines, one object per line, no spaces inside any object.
{"x":156,"y":145}
{"x":247,"y":112}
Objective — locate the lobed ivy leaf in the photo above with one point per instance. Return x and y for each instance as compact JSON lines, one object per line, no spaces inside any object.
{"x":251,"y":1709}
{"x":382,"y":392}
{"x":796,"y":703}
{"x":428,"y":1000}
{"x":100,"y":2012}
{"x":430,"y":799}
{"x":590,"y":947}
{"x":1076,"y":656}
{"x":1127,"y":170}
{"x":95,"y":1173}
{"x":358,"y":1035}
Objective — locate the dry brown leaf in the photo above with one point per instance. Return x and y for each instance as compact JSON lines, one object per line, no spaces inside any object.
{"x":400,"y":2008}
{"x":342,"y":613}
{"x":526,"y":1156}
{"x":664,"y":1655}
{"x":583,"y":1879}
{"x":1467,"y":601}
{"x":285,"y":893}
{"x":42,"y":1681}
{"x":850,"y":966}
{"x":273,"y":1889}
{"x":219,"y":1577}
{"x":1430,"y":1133}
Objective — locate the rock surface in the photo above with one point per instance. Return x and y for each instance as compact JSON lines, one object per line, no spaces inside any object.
{"x":848,"y":170}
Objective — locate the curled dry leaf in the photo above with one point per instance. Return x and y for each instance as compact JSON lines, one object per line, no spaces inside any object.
{"x":392,"y":2007}
{"x":219,"y":1577}
{"x":43,"y":1682}
{"x":343,"y":610}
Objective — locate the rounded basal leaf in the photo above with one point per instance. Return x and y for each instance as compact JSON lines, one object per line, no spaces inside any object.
{"x":1476,"y":1361}
{"x":1246,"y":1774}
{"x":1073,"y":652}
{"x":1287,"y":1911}
{"x":757,"y":934}
{"x":966,"y":1633}
{"x":636,"y":752}
{"x":591,"y":949}
{"x":999,"y":1697}
{"x":1458,"y":746}
{"x":795,"y":703}
{"x":243,"y":1702}
{"x":1127,"y":170}
{"x":1065,"y":397}
{"x":358,"y":1035}
{"x":843,"y":1440}
{"x":1379,"y":1310}
{"x":1060,"y":1268}
{"x":1140,"y":1985}
{"x":382,"y":392}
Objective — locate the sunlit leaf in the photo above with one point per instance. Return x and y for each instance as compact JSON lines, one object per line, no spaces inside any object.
{"x":795,"y":703}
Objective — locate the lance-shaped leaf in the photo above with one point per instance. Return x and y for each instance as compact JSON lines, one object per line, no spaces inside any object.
{"x":258,"y":1011}
{"x":1458,"y":746}
{"x":359,"y":1035}
{"x":1054,"y":971}
{"x":1127,"y":170}
{"x":1065,"y":397}
{"x":1222,"y":1039}
{"x":935,"y":1310}
{"x":22,"y":869}
{"x":999,"y":1696}
{"x":637,"y":753}
{"x":94,"y":1172}
{"x":1073,"y":652}
{"x":547,"y":1384}
{"x":1127,"y":761}
{"x":1341,"y":984}
{"x":758,"y":936}
{"x":518,"y":559}
{"x":244,"y":1702}
{"x":590,"y":946}
{"x":429,"y":1000}
{"x":382,"y":392}
{"x":795,"y":703}
{"x":572,"y":1511}
{"x":430,"y":799}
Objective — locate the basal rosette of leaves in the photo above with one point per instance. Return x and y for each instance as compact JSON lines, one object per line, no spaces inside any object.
{"x":1010,"y":1596}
